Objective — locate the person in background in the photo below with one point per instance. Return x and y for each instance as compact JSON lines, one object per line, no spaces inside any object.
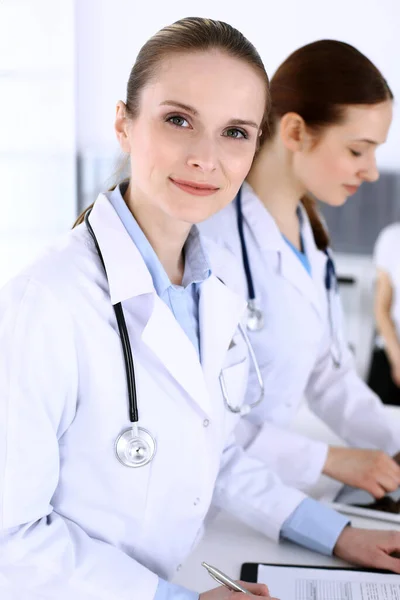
{"x":384,"y":374}
{"x":331,"y":109}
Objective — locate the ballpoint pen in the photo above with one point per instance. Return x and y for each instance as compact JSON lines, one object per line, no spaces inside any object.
{"x":225,"y":580}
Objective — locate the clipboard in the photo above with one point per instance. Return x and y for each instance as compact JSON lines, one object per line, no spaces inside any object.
{"x":308,"y":582}
{"x":249,"y":571}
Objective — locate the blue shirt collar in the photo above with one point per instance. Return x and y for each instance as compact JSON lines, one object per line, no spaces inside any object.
{"x":197,"y":264}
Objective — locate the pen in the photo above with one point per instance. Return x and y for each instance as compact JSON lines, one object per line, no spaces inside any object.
{"x":225,"y":580}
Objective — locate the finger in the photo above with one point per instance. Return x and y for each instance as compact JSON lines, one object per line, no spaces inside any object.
{"x":389,"y":563}
{"x":393,"y":468}
{"x":258,"y":589}
{"x":374,"y":488}
{"x":388,"y":483}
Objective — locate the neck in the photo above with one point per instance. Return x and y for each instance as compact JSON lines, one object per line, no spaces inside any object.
{"x":273,"y":181}
{"x":166,"y":235}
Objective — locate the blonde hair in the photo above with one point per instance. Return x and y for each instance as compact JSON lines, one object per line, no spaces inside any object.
{"x":193,"y":34}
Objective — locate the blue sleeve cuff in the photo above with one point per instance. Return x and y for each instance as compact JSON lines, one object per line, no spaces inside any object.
{"x":172,"y":591}
{"x":314,"y":526}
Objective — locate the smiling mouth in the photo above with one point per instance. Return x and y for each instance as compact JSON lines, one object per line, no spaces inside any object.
{"x":351,"y":188}
{"x":194,"y":187}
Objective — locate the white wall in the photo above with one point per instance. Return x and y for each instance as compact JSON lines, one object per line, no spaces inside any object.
{"x":110,"y":33}
{"x":37,"y":127}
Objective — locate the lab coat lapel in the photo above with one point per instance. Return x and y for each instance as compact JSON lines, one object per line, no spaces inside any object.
{"x":294,"y":271}
{"x":269,"y":239}
{"x":317,"y":260}
{"x":220,"y":311}
{"x":166,"y":338}
{"x":296,"y":274}
{"x":150,"y":318}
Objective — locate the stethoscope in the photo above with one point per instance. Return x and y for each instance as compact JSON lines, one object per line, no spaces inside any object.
{"x":331,"y":286}
{"x":136,"y":446}
{"x":255,"y":316}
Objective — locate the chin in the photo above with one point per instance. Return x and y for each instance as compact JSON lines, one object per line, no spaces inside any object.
{"x":195,"y":214}
{"x":338,"y":200}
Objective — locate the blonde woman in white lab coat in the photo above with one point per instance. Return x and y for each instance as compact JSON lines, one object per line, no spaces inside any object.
{"x":76,"y":522}
{"x":331,"y":108}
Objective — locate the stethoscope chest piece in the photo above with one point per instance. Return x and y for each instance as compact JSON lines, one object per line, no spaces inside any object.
{"x":255,"y":317}
{"x":135,"y":447}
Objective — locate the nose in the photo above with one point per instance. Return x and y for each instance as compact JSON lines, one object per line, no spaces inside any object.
{"x":371,"y":173}
{"x":203,"y":155}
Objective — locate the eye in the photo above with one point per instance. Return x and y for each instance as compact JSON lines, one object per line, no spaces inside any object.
{"x":178,"y":121}
{"x":355,"y":153}
{"x":235,"y":133}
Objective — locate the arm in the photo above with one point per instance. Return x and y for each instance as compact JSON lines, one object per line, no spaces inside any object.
{"x":44,"y":553}
{"x":248,"y":490}
{"x":277,"y":446}
{"x":384,"y":322}
{"x":342,"y":400}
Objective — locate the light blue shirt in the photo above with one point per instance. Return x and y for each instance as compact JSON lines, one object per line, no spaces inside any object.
{"x":301,"y":255}
{"x":314,"y":526}
{"x":183,"y":300}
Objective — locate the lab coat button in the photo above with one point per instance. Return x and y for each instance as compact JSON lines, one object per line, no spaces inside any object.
{"x":206,"y":423}
{"x":179,"y":567}
{"x":196,"y":502}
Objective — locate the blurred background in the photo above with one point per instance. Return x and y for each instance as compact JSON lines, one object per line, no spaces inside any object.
{"x":65,"y":63}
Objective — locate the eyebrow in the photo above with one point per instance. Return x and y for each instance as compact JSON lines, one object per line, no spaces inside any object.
{"x":372,"y":142}
{"x":195,"y":112}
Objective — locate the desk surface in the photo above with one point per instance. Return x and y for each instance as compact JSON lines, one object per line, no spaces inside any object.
{"x":228,"y":543}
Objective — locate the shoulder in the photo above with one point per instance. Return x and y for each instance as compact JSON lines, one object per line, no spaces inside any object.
{"x":221,"y":226}
{"x":390,"y":234}
{"x":59,"y":268}
{"x":387,"y":246}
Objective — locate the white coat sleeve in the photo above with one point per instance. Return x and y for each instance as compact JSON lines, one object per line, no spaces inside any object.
{"x":344,"y":402}
{"x":249,"y":490}
{"x":298,"y":459}
{"x":42,"y":554}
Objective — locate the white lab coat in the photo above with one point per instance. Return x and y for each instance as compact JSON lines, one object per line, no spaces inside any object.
{"x":293,"y":351}
{"x":76,"y":523}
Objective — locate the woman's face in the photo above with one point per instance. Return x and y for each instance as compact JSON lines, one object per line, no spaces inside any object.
{"x":193,"y":142}
{"x":334,"y":166}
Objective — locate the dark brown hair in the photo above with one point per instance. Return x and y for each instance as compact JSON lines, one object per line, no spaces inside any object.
{"x":193,"y":34}
{"x":318,"y":82}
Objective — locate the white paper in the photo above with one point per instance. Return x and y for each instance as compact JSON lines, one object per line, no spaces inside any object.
{"x":293,"y":583}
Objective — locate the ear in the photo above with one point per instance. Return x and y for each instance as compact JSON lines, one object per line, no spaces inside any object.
{"x":293,"y":132}
{"x":121,"y":127}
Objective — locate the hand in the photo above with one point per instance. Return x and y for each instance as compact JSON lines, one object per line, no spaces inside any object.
{"x":370,"y":548}
{"x":370,"y":470}
{"x":222,"y":592}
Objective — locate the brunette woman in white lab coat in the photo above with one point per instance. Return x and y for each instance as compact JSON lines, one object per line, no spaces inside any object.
{"x":331,"y":109}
